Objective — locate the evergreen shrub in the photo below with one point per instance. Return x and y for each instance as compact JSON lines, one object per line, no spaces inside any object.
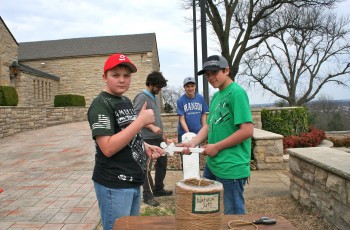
{"x":287,"y":122}
{"x":8,"y":96}
{"x":69,"y":100}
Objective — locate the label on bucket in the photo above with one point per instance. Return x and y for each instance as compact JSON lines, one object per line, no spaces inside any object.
{"x":206,"y":202}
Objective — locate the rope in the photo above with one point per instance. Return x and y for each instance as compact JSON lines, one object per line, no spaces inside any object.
{"x":197,"y":182}
{"x":148,"y":173}
{"x":238,"y":223}
{"x":189,"y":216}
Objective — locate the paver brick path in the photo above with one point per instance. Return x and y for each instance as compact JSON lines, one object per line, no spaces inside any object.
{"x":46,"y":178}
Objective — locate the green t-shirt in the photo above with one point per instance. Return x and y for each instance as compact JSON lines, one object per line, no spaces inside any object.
{"x":107,"y":115}
{"x":228,"y":109}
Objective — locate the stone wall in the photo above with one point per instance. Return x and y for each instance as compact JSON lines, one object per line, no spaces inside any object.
{"x":268,"y":150}
{"x":15,"y":119}
{"x":19,"y":119}
{"x":8,"y":53}
{"x":320,"y":179}
{"x":35,"y":91}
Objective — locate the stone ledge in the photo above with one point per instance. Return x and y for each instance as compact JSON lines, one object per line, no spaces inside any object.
{"x":268,"y":150}
{"x":326,"y":143}
{"x":320,"y":180}
{"x":330,"y":159}
{"x":260,"y":134}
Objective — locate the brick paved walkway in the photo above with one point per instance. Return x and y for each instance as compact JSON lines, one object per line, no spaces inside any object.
{"x":46,"y":178}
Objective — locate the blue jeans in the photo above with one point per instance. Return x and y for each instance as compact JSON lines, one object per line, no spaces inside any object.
{"x":116,"y":203}
{"x":233,"y":192}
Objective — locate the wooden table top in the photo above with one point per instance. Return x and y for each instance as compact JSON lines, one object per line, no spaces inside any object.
{"x":168,"y":222}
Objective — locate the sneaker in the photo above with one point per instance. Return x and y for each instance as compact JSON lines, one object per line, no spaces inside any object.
{"x":162,"y":192}
{"x":151,"y":202}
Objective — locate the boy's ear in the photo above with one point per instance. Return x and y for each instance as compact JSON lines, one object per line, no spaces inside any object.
{"x":227,"y":70}
{"x":104,"y":76}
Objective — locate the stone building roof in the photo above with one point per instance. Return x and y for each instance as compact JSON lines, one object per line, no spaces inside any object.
{"x":76,"y":47}
{"x":37,"y":72}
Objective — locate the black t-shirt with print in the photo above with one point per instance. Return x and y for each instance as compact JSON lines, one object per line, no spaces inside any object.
{"x":107,"y":115}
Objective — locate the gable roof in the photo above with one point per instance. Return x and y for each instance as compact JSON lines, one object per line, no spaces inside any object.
{"x":74,"y":47}
{"x":37,"y":72}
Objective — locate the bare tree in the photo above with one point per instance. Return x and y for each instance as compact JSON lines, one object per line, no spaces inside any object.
{"x":295,"y":63}
{"x":247,"y":23}
{"x":170,"y":95}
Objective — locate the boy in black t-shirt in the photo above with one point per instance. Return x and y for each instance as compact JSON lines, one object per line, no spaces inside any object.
{"x":120,"y":161}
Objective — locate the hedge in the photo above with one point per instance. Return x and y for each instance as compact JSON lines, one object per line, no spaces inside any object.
{"x":69,"y":100}
{"x":286,"y":122}
{"x":8,"y":96}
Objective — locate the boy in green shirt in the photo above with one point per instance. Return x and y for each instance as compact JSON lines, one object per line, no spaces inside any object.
{"x":228,"y":130}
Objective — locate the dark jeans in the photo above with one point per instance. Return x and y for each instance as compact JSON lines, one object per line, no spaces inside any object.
{"x":233,"y":192}
{"x":160,"y":172}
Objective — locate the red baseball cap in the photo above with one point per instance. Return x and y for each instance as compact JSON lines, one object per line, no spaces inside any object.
{"x":119,"y":59}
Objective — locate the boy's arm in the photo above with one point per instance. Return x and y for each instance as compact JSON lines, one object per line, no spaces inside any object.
{"x":154,"y":129}
{"x":110,"y":145}
{"x":181,"y":113}
{"x":183,"y":124}
{"x":245,"y":131}
{"x":204,"y":119}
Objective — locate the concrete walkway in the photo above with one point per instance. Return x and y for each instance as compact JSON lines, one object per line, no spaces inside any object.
{"x":45,"y":175}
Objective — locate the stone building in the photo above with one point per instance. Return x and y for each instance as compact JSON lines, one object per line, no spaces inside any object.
{"x":71,"y":66}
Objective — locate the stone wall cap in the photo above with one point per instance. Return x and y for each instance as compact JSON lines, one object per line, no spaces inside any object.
{"x":260,"y":134}
{"x":333,"y":160}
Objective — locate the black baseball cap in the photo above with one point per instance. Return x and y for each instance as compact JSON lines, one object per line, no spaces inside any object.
{"x":214,"y":63}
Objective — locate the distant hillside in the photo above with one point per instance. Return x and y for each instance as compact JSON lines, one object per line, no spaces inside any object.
{"x":262,"y":105}
{"x":335,"y":102}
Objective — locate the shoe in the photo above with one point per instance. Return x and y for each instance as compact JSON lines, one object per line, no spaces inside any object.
{"x":151,"y":202}
{"x":162,"y":192}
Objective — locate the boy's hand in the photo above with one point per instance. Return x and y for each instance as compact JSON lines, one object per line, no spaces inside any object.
{"x":153,"y":151}
{"x":210,"y":150}
{"x":156,"y":129}
{"x":146,"y":115}
{"x":187,"y":145}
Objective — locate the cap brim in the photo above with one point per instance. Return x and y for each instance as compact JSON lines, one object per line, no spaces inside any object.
{"x":130,"y":65}
{"x":190,"y":82}
{"x":210,"y":68}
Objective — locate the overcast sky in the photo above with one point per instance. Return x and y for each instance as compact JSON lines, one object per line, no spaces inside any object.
{"x":37,"y":20}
